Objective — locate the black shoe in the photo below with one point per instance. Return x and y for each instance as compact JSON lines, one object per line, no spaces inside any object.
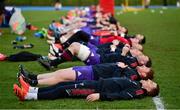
{"x":25,"y":75}
{"x":14,"y":42}
{"x":23,"y":72}
{"x":45,"y":63}
{"x":25,"y":46}
{"x":30,"y":81}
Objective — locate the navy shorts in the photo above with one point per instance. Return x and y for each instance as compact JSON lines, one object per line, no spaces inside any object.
{"x":84,"y":72}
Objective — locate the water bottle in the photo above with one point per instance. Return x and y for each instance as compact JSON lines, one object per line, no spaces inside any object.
{"x":20,"y":38}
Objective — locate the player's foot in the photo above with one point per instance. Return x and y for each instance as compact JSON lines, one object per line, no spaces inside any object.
{"x":23,"y":72}
{"x":25,"y":86}
{"x":20,"y":93}
{"x":45,"y":63}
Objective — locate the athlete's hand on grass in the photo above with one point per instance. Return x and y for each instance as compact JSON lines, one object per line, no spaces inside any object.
{"x":93,"y":97}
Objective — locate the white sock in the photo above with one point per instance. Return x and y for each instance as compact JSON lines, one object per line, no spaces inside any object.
{"x":31,"y":96}
{"x":63,"y":39}
{"x":33,"y":90}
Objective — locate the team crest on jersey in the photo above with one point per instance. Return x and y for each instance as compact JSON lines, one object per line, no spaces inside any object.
{"x":139,"y":92}
{"x":134,"y":64}
{"x":79,"y":73}
{"x":133,"y":77}
{"x":92,"y":54}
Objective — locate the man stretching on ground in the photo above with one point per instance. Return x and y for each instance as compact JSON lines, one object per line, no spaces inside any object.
{"x":103,"y":89}
{"x":94,"y":72}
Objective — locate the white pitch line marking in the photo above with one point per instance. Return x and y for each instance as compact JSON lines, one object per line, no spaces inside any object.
{"x":158,"y":102}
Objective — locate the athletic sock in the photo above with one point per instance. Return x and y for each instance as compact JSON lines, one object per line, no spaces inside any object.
{"x":33,"y":89}
{"x":56,"y":62}
{"x":31,"y":96}
{"x":33,"y":82}
{"x":32,"y":76}
{"x":66,"y":56}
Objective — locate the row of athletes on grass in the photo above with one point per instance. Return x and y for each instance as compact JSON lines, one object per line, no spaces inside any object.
{"x":115,"y":70}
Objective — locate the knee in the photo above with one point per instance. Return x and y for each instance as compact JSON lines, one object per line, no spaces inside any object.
{"x":74,"y":47}
{"x":74,"y":44}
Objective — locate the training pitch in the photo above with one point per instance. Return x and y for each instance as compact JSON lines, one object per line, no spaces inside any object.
{"x":160,"y":26}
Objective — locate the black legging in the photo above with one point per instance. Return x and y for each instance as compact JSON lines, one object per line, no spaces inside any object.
{"x":60,"y":90}
{"x":77,"y":37}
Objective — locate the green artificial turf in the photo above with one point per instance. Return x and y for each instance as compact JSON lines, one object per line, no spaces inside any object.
{"x":163,"y":46}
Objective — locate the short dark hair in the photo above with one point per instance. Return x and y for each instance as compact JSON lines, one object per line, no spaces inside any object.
{"x":126,"y":30}
{"x":154,"y":92}
{"x":112,"y":20}
{"x":149,"y":62}
{"x":143,"y":41}
{"x":150,"y":74}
